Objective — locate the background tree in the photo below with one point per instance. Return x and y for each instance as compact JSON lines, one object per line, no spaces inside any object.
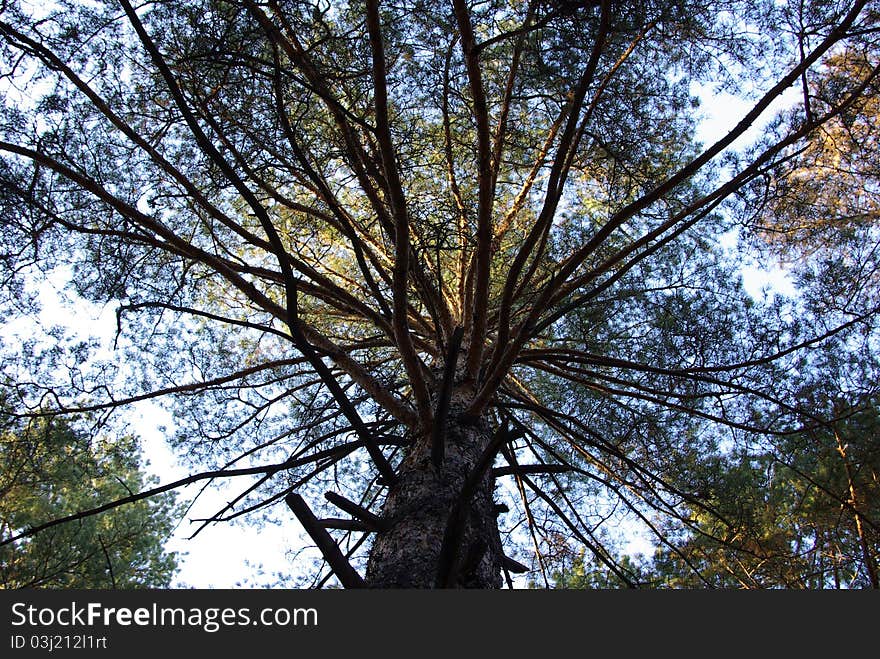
{"x":50,"y":471}
{"x":435,"y":261}
{"x":787,"y":518}
{"x":785,"y":512}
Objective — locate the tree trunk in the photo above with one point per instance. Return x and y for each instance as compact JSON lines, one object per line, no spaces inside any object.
{"x":418,"y":507}
{"x":867,"y":556}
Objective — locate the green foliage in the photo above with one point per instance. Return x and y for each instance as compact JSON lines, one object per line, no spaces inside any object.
{"x":802,"y":514}
{"x":293,"y":207}
{"x":585,"y":575}
{"x":49,"y":470}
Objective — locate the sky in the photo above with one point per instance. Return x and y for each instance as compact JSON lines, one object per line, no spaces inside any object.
{"x":239,"y":555}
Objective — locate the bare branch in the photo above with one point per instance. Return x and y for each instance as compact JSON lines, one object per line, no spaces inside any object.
{"x":372,"y":520}
{"x":338,"y":563}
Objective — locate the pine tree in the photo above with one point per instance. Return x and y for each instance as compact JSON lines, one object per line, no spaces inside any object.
{"x":436,"y":262}
{"x":50,"y":471}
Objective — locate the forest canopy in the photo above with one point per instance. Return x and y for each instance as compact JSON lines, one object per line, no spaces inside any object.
{"x":455,"y":285}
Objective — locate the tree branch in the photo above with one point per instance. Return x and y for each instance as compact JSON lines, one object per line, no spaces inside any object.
{"x":347,"y":575}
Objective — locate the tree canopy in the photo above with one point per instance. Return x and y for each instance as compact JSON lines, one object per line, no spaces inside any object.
{"x":464,"y":267}
{"x":50,"y":471}
{"x":776,"y":524}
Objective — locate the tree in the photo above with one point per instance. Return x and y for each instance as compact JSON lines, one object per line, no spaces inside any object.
{"x":435,"y":262}
{"x":826,"y":191}
{"x":49,"y":471}
{"x":789,"y":514}
{"x":817,"y":209}
{"x":775,"y":524}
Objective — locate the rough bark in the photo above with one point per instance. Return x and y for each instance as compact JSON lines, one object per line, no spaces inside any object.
{"x":417,"y":512}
